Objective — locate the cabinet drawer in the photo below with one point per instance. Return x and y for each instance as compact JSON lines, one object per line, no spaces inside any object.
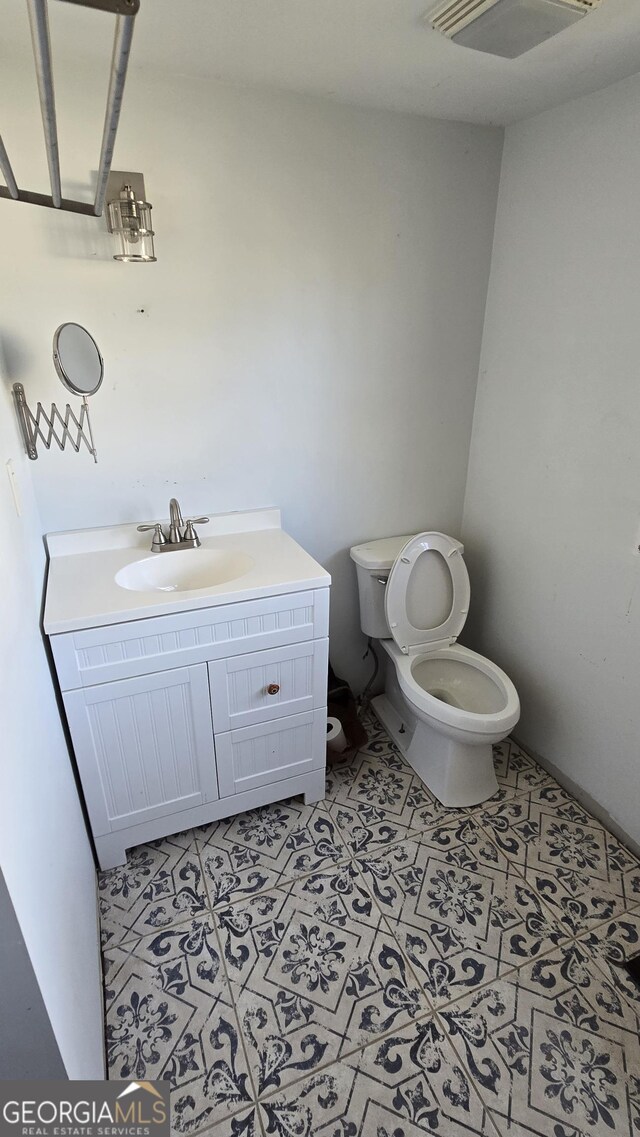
{"x":248,"y":689}
{"x":271,"y":751}
{"x":140,"y":647}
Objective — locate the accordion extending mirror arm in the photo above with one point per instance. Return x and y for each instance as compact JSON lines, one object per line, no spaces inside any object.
{"x":80,"y":368}
{"x":43,"y":426}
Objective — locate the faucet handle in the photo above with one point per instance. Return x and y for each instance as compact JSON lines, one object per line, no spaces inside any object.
{"x":198,"y":521}
{"x":189,"y":531}
{"x":158,"y":536}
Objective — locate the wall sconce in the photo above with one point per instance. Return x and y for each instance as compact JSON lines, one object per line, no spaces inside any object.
{"x":129,"y":217}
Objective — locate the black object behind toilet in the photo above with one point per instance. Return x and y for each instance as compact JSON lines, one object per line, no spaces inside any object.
{"x":341,"y":705}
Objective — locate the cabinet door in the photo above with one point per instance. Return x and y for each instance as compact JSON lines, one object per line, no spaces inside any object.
{"x":248,"y":689}
{"x":271,"y":751}
{"x":144,"y":746}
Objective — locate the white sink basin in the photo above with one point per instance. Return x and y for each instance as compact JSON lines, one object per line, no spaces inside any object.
{"x":184,"y":570}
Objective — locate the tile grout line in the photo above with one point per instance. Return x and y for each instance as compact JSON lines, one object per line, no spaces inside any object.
{"x":172,"y":923}
{"x":392,"y":933}
{"x":477,"y":1086}
{"x":436,"y":1008}
{"x":352,"y":858}
{"x":206,"y":911}
{"x":232,"y":1001}
{"x":281,"y":886}
{"x":427,"y":1012}
{"x":462,"y":1058}
{"x":472,"y":1081}
{"x":281,"y":879}
{"x":355,"y":863}
{"x":567,"y":938}
{"x":574,"y":939}
{"x":244,"y":899}
{"x":164,"y":927}
{"x":411,"y":832}
{"x":593,"y":822}
{"x":423,"y":1016}
{"x":598,"y":963}
{"x":252,"y":1104}
{"x":209,"y":904}
{"x":210,"y":910}
{"x":521,"y":869}
{"x":359,"y":1050}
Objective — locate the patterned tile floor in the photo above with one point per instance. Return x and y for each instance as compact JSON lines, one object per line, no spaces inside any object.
{"x":380,"y":966}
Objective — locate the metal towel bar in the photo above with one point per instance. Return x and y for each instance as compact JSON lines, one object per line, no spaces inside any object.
{"x":39,"y":20}
{"x":5,"y":166}
{"x":125,"y":12}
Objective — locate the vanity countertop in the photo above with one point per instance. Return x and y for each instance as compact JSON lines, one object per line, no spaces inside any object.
{"x":82,"y":591}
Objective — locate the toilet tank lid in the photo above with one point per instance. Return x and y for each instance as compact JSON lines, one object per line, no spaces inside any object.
{"x":379,"y":555}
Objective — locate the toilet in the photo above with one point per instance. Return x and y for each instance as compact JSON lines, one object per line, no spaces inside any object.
{"x":443,"y":705}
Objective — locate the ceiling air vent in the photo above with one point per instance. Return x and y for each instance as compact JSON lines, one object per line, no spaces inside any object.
{"x":507,"y":27}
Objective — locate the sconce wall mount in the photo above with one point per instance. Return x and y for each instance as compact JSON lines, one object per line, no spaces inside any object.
{"x":129,"y":217}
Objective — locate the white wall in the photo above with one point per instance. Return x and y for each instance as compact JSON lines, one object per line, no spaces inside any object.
{"x":552,"y":515}
{"x":309,"y":336}
{"x":44,"y":850}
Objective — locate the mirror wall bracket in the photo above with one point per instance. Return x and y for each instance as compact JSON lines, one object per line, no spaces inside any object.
{"x":45,"y":426}
{"x":80,"y":369}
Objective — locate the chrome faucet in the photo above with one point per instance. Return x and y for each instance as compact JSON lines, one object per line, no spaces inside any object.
{"x":176,"y":522}
{"x":182,"y":534}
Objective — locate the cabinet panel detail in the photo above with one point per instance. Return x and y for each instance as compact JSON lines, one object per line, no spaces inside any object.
{"x":144,"y":746}
{"x":270,"y":752}
{"x":247,"y":689}
{"x":120,"y":651}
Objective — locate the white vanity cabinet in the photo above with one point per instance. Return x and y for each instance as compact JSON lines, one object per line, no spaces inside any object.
{"x":180,"y":719}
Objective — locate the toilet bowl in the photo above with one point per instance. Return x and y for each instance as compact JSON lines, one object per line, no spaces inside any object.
{"x":443,"y":704}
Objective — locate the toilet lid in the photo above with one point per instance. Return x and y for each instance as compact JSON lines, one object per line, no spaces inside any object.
{"x":427,"y":594}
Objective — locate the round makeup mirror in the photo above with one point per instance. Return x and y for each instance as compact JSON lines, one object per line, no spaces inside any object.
{"x":77,"y":360}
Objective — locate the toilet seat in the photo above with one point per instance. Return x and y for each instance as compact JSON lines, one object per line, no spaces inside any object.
{"x":493,"y":723}
{"x":409,"y":638}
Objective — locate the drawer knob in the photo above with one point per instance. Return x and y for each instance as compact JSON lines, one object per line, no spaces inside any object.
{"x":273,"y":689}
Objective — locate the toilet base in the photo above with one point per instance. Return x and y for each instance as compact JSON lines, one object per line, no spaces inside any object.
{"x":457,"y":774}
{"x":399,"y":728}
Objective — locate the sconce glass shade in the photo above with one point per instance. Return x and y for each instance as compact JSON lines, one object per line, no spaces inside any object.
{"x":130,"y":222}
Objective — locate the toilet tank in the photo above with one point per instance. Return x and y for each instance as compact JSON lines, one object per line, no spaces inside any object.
{"x":374,"y":561}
